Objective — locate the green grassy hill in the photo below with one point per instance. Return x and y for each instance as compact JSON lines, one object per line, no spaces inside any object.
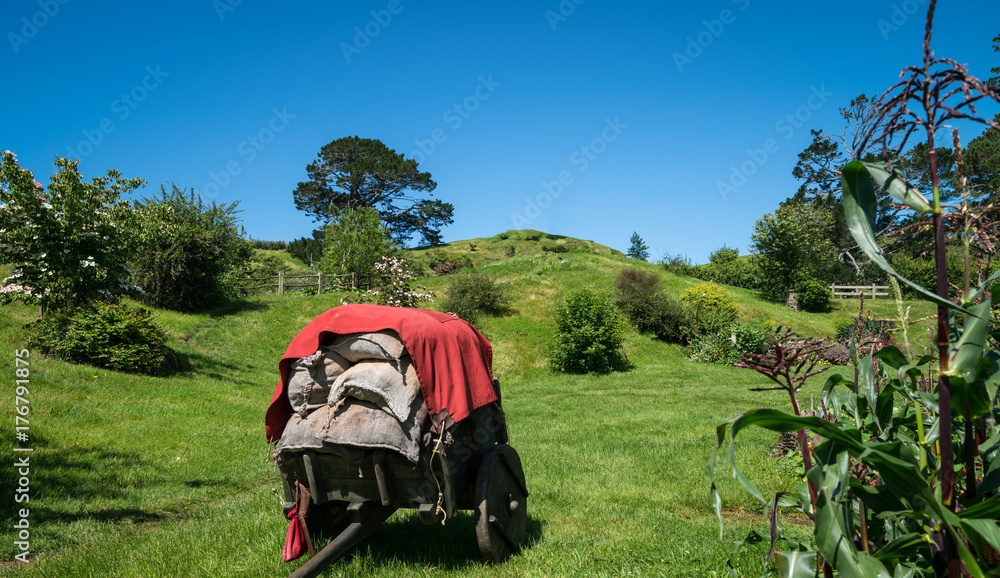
{"x":140,"y":476}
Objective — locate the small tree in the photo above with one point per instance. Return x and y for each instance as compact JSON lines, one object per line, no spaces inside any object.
{"x":69,"y":245}
{"x":188,"y":250}
{"x":793,"y":241}
{"x":638,"y":250}
{"x":355,"y":240}
{"x":590,"y":335}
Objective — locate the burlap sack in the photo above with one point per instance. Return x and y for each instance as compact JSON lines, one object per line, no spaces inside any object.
{"x":310,"y":379}
{"x":379,"y":345}
{"x":384,"y":383}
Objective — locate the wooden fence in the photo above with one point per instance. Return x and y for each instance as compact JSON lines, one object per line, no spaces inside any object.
{"x":859,"y":290}
{"x":318,"y":281}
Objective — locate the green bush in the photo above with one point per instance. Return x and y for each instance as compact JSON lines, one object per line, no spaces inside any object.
{"x":590,"y":335}
{"x":189,"y":252}
{"x":727,"y":347}
{"x":108,"y":335}
{"x":712,"y":306}
{"x":471,"y":295}
{"x":813,"y":295}
{"x":736,"y":272}
{"x":640,"y":298}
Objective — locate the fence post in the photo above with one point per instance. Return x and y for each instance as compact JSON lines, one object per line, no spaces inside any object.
{"x":319,"y":283}
{"x":281,"y":283}
{"x":353,"y":280}
{"x":873,"y":290}
{"x":832,"y":291}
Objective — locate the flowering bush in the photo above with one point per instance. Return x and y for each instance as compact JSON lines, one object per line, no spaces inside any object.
{"x":69,"y":245}
{"x":390,"y":286}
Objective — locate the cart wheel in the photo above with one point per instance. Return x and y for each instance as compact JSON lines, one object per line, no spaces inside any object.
{"x":501,"y":503}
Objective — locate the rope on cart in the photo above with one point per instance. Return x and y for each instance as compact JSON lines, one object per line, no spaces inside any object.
{"x":437,"y":451}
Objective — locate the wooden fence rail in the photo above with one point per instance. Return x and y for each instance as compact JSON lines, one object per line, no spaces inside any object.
{"x":317,"y":280}
{"x":859,"y":290}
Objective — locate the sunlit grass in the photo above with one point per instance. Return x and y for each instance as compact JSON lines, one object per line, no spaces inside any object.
{"x":168,"y":476}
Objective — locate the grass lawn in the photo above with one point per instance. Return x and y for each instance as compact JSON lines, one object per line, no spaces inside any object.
{"x":169,"y":476}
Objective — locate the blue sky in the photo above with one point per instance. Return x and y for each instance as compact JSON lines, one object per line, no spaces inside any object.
{"x":585,"y":118}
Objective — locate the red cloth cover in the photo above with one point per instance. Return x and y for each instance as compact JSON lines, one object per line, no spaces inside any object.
{"x":454,"y":362}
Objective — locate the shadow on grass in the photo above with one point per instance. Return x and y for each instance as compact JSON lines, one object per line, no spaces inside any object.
{"x":199,"y":365}
{"x":73,"y":475}
{"x":236,"y":307}
{"x":452,"y":546}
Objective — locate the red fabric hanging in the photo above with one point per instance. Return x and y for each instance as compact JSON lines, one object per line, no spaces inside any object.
{"x":295,"y":541}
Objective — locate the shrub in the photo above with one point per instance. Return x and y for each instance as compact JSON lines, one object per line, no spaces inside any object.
{"x":677,"y":264}
{"x":471,"y":295}
{"x":639,"y":297}
{"x":727,"y":347}
{"x":590,"y":335}
{"x":446,"y":268}
{"x":866,"y":330}
{"x":108,"y":335}
{"x":189,"y":251}
{"x":813,"y":295}
{"x":722,"y":255}
{"x":712,"y":306}
{"x":837,"y":354}
{"x":510,"y":251}
{"x":736,"y":272}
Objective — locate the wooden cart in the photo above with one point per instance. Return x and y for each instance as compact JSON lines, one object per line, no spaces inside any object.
{"x":477,"y":471}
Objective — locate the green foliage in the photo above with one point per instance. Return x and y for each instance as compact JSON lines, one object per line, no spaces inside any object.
{"x":68,"y":245}
{"x":471,"y":295}
{"x":728,"y":346}
{"x":793,"y":241}
{"x":355,"y":240}
{"x":677,"y":264}
{"x":109,"y":335}
{"x":308,"y":250}
{"x":735,"y":272}
{"x":638,"y":248}
{"x":352,"y":173}
{"x":270,"y":245}
{"x":189,"y":251}
{"x":640,"y":297}
{"x":263,"y":265}
{"x":902,"y":478}
{"x":813,"y":295}
{"x":723,"y":255}
{"x":590,"y":335}
{"x":712,"y":307}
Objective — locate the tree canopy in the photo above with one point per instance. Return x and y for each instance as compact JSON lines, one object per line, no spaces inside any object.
{"x":354,"y":172}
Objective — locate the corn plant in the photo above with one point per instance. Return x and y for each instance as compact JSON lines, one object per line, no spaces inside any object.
{"x":899,"y":481}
